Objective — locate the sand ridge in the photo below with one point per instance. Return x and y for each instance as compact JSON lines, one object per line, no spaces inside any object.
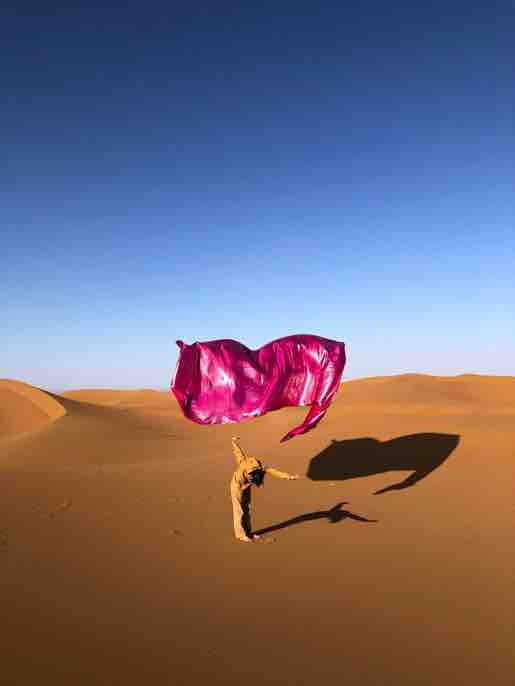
{"x":24,"y":408}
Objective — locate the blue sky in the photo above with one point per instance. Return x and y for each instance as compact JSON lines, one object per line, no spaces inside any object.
{"x":227,"y":172}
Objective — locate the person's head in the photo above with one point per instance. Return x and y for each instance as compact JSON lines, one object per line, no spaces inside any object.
{"x":256,"y":476}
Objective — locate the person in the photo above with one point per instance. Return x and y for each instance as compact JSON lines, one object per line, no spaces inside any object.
{"x":249,"y":472}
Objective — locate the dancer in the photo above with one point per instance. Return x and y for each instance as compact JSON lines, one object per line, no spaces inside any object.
{"x":249,"y":472}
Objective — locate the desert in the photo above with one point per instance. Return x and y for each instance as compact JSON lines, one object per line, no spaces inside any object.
{"x":389,"y":561}
{"x":257,"y":383}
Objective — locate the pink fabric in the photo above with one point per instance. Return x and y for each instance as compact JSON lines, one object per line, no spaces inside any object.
{"x":223,"y":381}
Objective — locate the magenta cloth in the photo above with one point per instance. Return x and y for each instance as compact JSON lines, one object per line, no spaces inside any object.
{"x":217,"y":382}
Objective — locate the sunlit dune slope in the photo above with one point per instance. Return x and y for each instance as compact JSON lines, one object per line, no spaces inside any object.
{"x":24,"y":408}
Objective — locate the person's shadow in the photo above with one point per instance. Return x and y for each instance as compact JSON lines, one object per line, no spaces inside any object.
{"x":419,"y":453}
{"x":334,"y":515}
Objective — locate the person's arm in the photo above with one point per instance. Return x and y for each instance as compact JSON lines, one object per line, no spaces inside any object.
{"x":238,"y":452}
{"x":279,"y":474}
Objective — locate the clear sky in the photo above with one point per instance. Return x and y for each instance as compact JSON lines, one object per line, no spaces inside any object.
{"x":208,"y":170}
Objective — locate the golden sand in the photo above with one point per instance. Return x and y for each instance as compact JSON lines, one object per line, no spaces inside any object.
{"x":390,"y":562}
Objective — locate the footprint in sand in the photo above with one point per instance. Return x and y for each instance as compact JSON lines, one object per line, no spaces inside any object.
{"x":61,"y":508}
{"x":263,"y":540}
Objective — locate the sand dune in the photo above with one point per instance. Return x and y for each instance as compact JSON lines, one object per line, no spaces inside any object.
{"x":24,"y":408}
{"x":413,"y":392}
{"x":390,"y":562}
{"x":112,"y":397}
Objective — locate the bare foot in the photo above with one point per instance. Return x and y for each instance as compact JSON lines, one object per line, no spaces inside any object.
{"x":244,"y":539}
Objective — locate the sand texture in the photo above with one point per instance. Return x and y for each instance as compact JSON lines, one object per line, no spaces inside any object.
{"x":390,"y":562}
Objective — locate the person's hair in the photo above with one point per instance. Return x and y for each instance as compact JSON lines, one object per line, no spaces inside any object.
{"x":256,"y":476}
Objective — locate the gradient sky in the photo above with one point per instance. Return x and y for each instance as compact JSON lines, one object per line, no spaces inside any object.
{"x":203,"y":171}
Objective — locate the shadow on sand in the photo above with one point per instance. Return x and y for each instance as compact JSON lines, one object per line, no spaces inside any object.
{"x":334,"y":515}
{"x":420,"y":453}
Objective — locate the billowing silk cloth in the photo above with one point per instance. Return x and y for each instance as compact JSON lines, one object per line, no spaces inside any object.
{"x":223,"y":381}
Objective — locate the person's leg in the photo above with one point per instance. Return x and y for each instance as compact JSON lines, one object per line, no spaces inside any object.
{"x":246,"y":503}
{"x":240,"y":518}
{"x":247,"y":506}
